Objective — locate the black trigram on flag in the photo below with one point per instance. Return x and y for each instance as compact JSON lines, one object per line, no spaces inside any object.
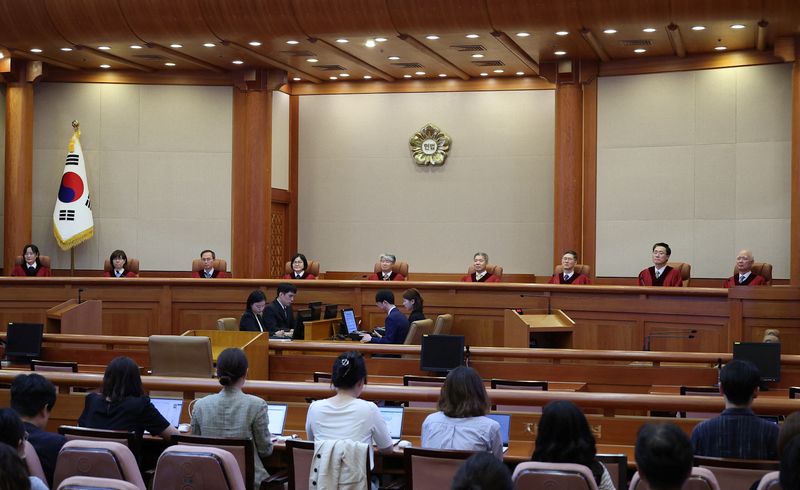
{"x":66,"y":215}
{"x":72,"y":159}
{"x":88,"y":203}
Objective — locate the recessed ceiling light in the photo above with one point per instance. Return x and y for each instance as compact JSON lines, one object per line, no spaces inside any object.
{"x":639,"y":50}
{"x":443,"y":75}
{"x":334,"y":78}
{"x":36,"y":50}
{"x":66,"y":49}
{"x":105,"y":67}
{"x":721,"y":48}
{"x":609,"y":31}
{"x":176,"y":46}
{"x":432,"y":37}
{"x":2,"y":56}
{"x":370,"y":43}
{"x":472,"y":36}
{"x":419,"y":73}
{"x":312,"y":60}
{"x":296,"y":79}
{"x":237,"y":62}
{"x":477,"y":55}
{"x":255,"y":43}
{"x":649,"y":29}
{"x":344,"y":75}
{"x":342,"y":41}
{"x":367,"y":77}
{"x":498,"y":71}
{"x":562,"y":33}
{"x":520,"y":73}
{"x":381,"y":39}
{"x":394,"y":58}
{"x":484,"y":74}
{"x":698,"y":28}
{"x":406,"y":76}
{"x":560,"y":53}
{"x":523,"y":34}
{"x":169,"y":63}
{"x":738,"y":26}
{"x":209,"y":45}
{"x":292,"y":41}
{"x":135,"y":46}
{"x":104,"y":48}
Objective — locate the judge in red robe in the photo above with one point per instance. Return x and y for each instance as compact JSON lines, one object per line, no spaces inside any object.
{"x":208,"y":272}
{"x":479,"y":261}
{"x":31,"y":265}
{"x":299,"y":268}
{"x":119,"y":265}
{"x":568,"y":274}
{"x":744,"y":272}
{"x":661,"y":274}
{"x":386,"y":274}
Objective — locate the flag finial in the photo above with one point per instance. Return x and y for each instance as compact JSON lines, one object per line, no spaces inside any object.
{"x":76,"y":125}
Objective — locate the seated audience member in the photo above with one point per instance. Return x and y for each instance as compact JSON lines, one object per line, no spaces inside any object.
{"x":661,"y":274}
{"x":232,"y":413}
{"x":790,"y":465}
{"x":209,"y":272}
{"x":12,"y":435}
{"x":664,"y":456}
{"x":412,"y":301}
{"x":33,"y":397}
{"x":31,"y":265}
{"x":299,"y":268}
{"x":479,"y":262}
{"x":737,"y":432}
{"x":482,"y":471}
{"x":253,"y":317}
{"x":396,"y":324}
{"x":568,"y":274}
{"x":119,"y":265}
{"x":278,"y":318}
{"x":563,"y":436}
{"x":772,"y":336}
{"x":744,"y":272}
{"x":387,"y":262}
{"x":345,"y":415}
{"x":460,"y":422}
{"x":122,"y":405}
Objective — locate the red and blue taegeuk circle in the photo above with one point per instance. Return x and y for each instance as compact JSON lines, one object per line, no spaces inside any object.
{"x":71,"y":187}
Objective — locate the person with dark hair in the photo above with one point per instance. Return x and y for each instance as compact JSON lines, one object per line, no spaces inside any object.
{"x":396,"y":324}
{"x":790,"y":465}
{"x":663,"y":455}
{"x":207,"y":257}
{"x":737,"y":432}
{"x":253,"y":317}
{"x":568,"y":274}
{"x":345,"y":415}
{"x":122,"y":405}
{"x":563,"y":436}
{"x":31,"y":264}
{"x":299,"y":265}
{"x":386,"y":273}
{"x":790,"y":428}
{"x":460,"y":422}
{"x":13,"y":472}
{"x":479,"y":262}
{"x":232,"y":413}
{"x":33,"y":397}
{"x":482,"y":471}
{"x":12,"y":434}
{"x":278,"y":317}
{"x":661,"y":274}
{"x":119,"y":265}
{"x":412,"y":301}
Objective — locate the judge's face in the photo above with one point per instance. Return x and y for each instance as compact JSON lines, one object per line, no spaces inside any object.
{"x":297,"y":265}
{"x":744,"y":262}
{"x":118,"y":262}
{"x":479,"y":263}
{"x":386,"y":265}
{"x":258,"y":308}
{"x":30,"y":256}
{"x":568,"y":262}
{"x":660,"y":256}
{"x":208,"y":260}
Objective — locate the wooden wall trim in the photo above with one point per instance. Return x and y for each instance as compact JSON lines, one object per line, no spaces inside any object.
{"x":639,"y":66}
{"x":294,"y":173}
{"x":422,"y":86}
{"x":795,"y":197}
{"x":568,"y":170}
{"x":589,"y":245}
{"x":166,"y":77}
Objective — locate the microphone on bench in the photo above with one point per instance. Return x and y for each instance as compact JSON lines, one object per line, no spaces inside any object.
{"x":80,"y":290}
{"x":668,"y":334}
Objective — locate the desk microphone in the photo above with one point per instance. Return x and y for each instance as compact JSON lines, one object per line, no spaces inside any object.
{"x":80,"y":290}
{"x":668,"y":334}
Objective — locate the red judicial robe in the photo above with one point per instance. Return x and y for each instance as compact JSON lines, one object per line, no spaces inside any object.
{"x":670,"y":278}
{"x":394,"y":276}
{"x":216,"y":275}
{"x":573,"y":279}
{"x":21,"y":271}
{"x":487,"y":278}
{"x":125,"y":273}
{"x":752,"y":280}
{"x":304,"y":276}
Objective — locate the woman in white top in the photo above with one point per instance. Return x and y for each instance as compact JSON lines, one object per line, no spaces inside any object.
{"x":344,"y":415}
{"x":460,"y":422}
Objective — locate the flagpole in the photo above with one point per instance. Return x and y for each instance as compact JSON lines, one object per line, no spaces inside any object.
{"x":72,"y":261}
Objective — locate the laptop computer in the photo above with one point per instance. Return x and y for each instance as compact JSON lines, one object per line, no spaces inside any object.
{"x":504,"y":419}
{"x":394,"y":421}
{"x":277,"y":418}
{"x":169,"y":408}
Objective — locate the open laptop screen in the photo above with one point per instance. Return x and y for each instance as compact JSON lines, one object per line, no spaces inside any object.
{"x":350,"y":320}
{"x":169,"y":408}
{"x":394,"y":420}
{"x":277,"y":418}
{"x":504,"y":419}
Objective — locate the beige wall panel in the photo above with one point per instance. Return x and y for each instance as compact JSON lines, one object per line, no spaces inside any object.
{"x":158,"y":160}
{"x":632,"y":242}
{"x":767,"y":239}
{"x":763,"y":180}
{"x":763,"y":103}
{"x":714,"y":248}
{"x":280,"y":140}
{"x":361,"y":194}
{"x":716,"y":106}
{"x":715,"y":182}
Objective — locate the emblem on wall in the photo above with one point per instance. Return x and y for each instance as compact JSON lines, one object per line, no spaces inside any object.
{"x":429,"y":146}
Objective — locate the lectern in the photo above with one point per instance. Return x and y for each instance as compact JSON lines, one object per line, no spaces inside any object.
{"x":85,"y":318}
{"x":547,"y":328}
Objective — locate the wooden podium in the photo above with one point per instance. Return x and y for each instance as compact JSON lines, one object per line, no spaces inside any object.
{"x":254,"y":344}
{"x":84,"y":318}
{"x":549,"y":329}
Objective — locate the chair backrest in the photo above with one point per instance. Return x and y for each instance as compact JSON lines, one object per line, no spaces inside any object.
{"x":510,"y":384}
{"x":58,"y":366}
{"x":685,"y":269}
{"x":181,"y":355}
{"x":564,"y":476}
{"x":617,"y":467}
{"x":397,"y":267}
{"x":219,"y":265}
{"x":105,"y":459}
{"x":313,"y":268}
{"x":417,"y":330}
{"x":227,"y":323}
{"x":95,"y":483}
{"x":492,"y":269}
{"x":699,"y":479}
{"x":770,"y":481}
{"x":124,"y":437}
{"x":432,"y":469}
{"x":322,"y":377}
{"x":762,"y":269}
{"x":579,"y":269}
{"x":429,"y":381}
{"x":33,"y":463}
{"x":44,"y":260}
{"x":794,"y":392}
{"x":183,"y":466}
{"x":299,"y":455}
{"x":242,"y":450}
{"x":133,"y":265}
{"x":699,"y":391}
{"x":736,"y":474}
{"x":443,"y":325}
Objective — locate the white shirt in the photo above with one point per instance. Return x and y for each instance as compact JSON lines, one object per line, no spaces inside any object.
{"x":471,"y":433}
{"x":567,"y":276}
{"x":743,"y":277}
{"x":208,"y":272}
{"x":660,"y":271}
{"x":386,"y":275}
{"x":479,"y":275}
{"x":356,"y":420}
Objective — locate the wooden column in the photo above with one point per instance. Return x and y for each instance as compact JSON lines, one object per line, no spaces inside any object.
{"x":18,"y":202}
{"x":568,"y":174}
{"x":251,"y":179}
{"x":795,"y":199}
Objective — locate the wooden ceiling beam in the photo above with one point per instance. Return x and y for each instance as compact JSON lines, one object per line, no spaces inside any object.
{"x":433,"y":54}
{"x":676,"y":40}
{"x":517,"y":51}
{"x":15,"y":53}
{"x":595,"y":44}
{"x":270,"y":61}
{"x":185,"y":57}
{"x":114,"y":58}
{"x":354,"y":59}
{"x":761,"y":36}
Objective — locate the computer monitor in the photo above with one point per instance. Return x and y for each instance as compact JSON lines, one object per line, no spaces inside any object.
{"x":349,"y":317}
{"x":24,"y":341}
{"x":331,"y":311}
{"x":766,"y":357}
{"x":316,"y":310}
{"x":441,"y":353}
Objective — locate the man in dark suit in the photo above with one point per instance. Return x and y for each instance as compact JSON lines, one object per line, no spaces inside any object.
{"x":396,"y":323}
{"x":278,"y":318}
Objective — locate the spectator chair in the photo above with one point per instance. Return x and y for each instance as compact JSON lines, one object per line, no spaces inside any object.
{"x":770,"y":481}
{"x":427,"y":381}
{"x":510,"y":384}
{"x":397,"y":268}
{"x":763,"y":269}
{"x":313,"y":268}
{"x":241,"y":449}
{"x":183,"y":466}
{"x":432,"y":469}
{"x":736,"y":474}
{"x":617,"y":466}
{"x":179,"y":355}
{"x":104,"y":459}
{"x":579,"y":269}
{"x":699,"y":479}
{"x":33,"y":463}
{"x":133,"y":266}
{"x":44,"y":260}
{"x":699,"y":391}
{"x":564,"y":476}
{"x":492,"y":269}
{"x":93,"y":483}
{"x":685,"y":269}
{"x":228,"y":323}
{"x":220,"y":265}
{"x":298,"y":457}
{"x":443,"y":325}
{"x":124,"y":437}
{"x":417,"y":330}
{"x":794,"y":392}
{"x":51,"y":366}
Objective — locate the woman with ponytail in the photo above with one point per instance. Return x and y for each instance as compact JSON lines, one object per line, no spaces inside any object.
{"x":232,"y":413}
